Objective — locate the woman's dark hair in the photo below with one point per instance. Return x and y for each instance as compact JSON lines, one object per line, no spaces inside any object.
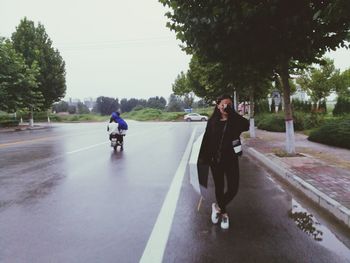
{"x":217,"y":114}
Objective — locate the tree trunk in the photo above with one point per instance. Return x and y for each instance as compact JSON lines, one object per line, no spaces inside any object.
{"x":290,"y":140}
{"x":251,"y":116}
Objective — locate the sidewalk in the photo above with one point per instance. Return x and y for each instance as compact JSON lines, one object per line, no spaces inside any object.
{"x":321,"y":172}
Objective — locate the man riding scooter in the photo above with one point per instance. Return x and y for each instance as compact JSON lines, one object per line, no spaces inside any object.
{"x":117,"y":128}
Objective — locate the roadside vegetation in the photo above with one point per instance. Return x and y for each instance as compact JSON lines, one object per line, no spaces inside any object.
{"x":327,"y":124}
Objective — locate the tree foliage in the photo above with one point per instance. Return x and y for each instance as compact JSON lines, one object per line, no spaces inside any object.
{"x":175,"y":103}
{"x":156,"y":103}
{"x":18,"y":81}
{"x":343,"y":87}
{"x":263,"y":37}
{"x":61,"y":106}
{"x":320,"y":82}
{"x":342,"y":106}
{"x":106,"y":105}
{"x":36,"y":47}
{"x":182,"y":87}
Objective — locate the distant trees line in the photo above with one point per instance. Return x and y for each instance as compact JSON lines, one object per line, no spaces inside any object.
{"x":106,"y":105}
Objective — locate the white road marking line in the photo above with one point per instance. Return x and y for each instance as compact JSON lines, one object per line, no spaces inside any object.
{"x":88,"y":147}
{"x":156,"y":244}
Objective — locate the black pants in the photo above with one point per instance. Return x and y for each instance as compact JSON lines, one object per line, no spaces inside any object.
{"x":230,"y":169}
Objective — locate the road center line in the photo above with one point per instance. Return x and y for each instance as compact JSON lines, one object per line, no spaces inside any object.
{"x":156,"y":244}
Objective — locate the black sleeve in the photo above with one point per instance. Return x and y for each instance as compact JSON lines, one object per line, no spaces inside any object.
{"x":205,"y":152}
{"x":243,"y":123}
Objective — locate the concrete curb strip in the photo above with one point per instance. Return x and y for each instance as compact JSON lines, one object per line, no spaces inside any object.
{"x":332,"y":206}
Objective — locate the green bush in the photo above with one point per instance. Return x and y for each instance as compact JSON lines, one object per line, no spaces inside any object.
{"x":138,"y":107}
{"x":333,"y":132}
{"x":275,"y":122}
{"x":8,"y":123}
{"x":270,"y":122}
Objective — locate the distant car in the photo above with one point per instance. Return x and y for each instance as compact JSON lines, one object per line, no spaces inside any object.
{"x":195,"y":117}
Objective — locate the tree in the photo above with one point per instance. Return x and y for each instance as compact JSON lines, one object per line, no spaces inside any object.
{"x":106,"y":105}
{"x":82,"y":108}
{"x":343,"y":84}
{"x":175,"y":103}
{"x":61,"y":106}
{"x":181,"y":87}
{"x":127,"y":105}
{"x":155,"y":103}
{"x":207,"y":80}
{"x":319,"y":82}
{"x":18,"y":82}
{"x":268,"y":36}
{"x":36,"y":47}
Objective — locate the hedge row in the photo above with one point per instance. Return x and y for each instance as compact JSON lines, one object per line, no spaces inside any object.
{"x":334,"y":132}
{"x":276,"y":122}
{"x":8,"y":123}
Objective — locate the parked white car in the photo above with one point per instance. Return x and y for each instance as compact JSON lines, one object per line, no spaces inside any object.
{"x":195,"y":117}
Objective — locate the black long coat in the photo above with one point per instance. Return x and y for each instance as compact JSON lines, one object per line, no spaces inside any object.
{"x":236,"y":124}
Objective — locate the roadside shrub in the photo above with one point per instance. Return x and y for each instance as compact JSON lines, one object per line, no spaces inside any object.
{"x":276,"y":122}
{"x":172,"y":116}
{"x":270,"y":122}
{"x":8,"y":123}
{"x":333,"y":132}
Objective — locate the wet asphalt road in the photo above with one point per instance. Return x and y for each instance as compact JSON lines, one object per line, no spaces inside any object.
{"x":65,"y":196}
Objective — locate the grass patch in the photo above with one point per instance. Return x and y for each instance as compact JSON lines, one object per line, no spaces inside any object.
{"x":148,"y":114}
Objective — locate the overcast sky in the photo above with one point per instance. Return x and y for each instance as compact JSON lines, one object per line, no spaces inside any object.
{"x":114,"y":48}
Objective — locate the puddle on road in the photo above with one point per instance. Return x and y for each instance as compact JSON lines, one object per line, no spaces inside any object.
{"x":312,"y":227}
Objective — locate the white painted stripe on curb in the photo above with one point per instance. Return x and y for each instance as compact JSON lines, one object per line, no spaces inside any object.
{"x":156,"y":244}
{"x":323,"y":200}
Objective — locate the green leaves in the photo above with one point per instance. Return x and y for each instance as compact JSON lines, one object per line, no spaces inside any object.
{"x":18,"y":81}
{"x":36,"y":47}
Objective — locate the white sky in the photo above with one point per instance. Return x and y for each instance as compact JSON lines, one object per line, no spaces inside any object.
{"x":111,"y":48}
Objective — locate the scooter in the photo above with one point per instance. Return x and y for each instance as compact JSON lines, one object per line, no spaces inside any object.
{"x":117,"y":140}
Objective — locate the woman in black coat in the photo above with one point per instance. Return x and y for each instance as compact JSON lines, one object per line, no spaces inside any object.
{"x":217,"y":150}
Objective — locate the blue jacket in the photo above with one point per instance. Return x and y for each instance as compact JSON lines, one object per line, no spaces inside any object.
{"x":122,"y":124}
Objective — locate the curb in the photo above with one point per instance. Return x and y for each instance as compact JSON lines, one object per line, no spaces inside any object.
{"x":336,"y":209}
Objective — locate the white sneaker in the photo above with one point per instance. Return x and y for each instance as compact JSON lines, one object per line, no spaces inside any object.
{"x":225,"y":222}
{"x":215,"y":213}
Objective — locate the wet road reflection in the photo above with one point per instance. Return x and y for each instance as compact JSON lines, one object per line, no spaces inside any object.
{"x":320,"y":233}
